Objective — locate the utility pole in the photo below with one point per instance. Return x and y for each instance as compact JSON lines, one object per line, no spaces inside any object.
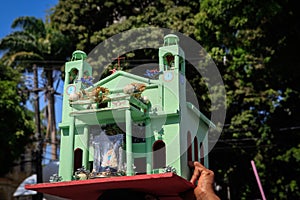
{"x":38,"y":134}
{"x":51,"y":112}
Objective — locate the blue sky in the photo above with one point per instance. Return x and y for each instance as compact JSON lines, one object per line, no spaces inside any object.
{"x":12,"y":9}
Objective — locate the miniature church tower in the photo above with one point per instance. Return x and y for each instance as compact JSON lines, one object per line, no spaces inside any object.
{"x":173,"y":130}
{"x":71,"y":135}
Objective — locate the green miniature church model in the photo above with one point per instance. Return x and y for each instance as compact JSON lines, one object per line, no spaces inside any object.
{"x":126,"y":124}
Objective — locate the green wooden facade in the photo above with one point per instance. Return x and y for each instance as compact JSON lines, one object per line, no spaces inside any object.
{"x":174,"y":129}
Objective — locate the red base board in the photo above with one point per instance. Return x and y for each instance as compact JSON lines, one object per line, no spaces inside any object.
{"x":166,"y":186}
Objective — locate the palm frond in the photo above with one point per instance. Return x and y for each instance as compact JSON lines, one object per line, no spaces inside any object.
{"x":22,"y":58}
{"x":18,"y":41}
{"x":30,"y":24}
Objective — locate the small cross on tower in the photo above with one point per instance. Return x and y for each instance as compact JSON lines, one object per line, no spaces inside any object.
{"x":119,"y":59}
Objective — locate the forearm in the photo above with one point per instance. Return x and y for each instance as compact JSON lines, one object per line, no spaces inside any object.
{"x":207,"y":196}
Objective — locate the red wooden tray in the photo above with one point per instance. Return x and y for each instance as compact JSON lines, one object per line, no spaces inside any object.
{"x":166,"y":186}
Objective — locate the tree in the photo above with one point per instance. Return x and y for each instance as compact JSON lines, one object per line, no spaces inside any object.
{"x":90,"y":22}
{"x":16,"y":125}
{"x":80,"y":19}
{"x":251,"y":51}
{"x":37,"y":43}
{"x":175,"y":15}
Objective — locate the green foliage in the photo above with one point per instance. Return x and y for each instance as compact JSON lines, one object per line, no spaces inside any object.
{"x":247,"y":34}
{"x":89,"y":23}
{"x":16,"y":125}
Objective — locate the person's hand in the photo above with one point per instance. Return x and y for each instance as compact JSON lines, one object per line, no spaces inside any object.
{"x":205,"y":177}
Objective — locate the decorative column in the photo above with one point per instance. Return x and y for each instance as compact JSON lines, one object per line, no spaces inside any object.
{"x":129,"y":159}
{"x":148,"y":147}
{"x":85,"y":159}
{"x":71,"y":148}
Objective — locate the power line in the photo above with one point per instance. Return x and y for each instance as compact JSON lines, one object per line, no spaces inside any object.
{"x":289,"y":128}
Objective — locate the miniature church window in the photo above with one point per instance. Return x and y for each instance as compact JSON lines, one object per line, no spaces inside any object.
{"x":168,"y":61}
{"x":73,"y":75}
{"x":189,"y":146}
{"x":181,"y":65}
{"x":201,"y":153}
{"x":196,"y":155}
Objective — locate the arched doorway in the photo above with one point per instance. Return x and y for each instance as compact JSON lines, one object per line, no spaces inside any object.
{"x":77,"y":158}
{"x":159,"y":154}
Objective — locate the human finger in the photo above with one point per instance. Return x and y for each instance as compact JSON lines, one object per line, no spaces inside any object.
{"x":198,"y":169}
